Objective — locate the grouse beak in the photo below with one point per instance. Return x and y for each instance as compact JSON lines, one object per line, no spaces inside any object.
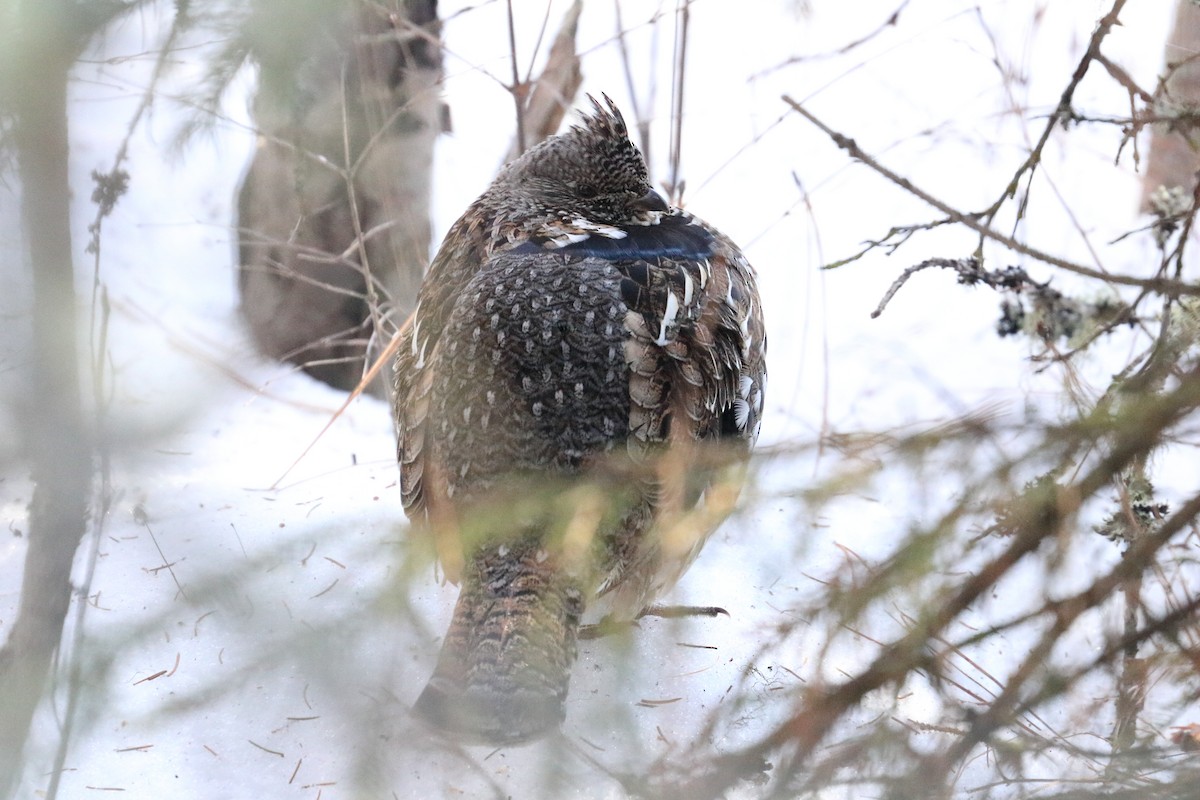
{"x":651,"y":201}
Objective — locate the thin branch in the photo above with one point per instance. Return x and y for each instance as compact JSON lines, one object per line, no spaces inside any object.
{"x":517,"y":88}
{"x":364,"y":264}
{"x":679,"y":70}
{"x":973,"y":222}
{"x":890,"y":22}
{"x":640,"y":111}
{"x":1061,"y":113}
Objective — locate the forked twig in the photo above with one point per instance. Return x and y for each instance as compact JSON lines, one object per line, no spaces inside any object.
{"x":518,"y":87}
{"x":973,"y":220}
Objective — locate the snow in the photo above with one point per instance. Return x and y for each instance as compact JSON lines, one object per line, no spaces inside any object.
{"x":258,"y":622}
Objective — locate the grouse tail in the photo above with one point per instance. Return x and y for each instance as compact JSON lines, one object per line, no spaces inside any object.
{"x":505,"y":664}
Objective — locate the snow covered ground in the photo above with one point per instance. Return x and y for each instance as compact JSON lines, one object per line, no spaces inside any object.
{"x":257,"y":626}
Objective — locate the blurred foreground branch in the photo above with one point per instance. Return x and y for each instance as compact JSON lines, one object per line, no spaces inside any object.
{"x":841,"y":730}
{"x":56,"y":441}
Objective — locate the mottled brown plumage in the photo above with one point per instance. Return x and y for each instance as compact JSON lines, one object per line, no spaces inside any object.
{"x":580,"y":383}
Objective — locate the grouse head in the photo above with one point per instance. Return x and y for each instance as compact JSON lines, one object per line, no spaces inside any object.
{"x":591,"y":174}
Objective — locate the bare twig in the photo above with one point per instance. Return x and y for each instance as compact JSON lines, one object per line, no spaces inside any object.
{"x":518,"y":88}
{"x":675,"y":184}
{"x":1062,"y":112}
{"x":555,"y":89}
{"x":640,"y":110}
{"x":961,"y":266}
{"x":363,"y":265}
{"x":973,"y":220}
{"x":890,"y":22}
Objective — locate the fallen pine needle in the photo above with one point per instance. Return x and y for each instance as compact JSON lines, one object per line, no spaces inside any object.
{"x":265,"y":749}
{"x":158,"y":674}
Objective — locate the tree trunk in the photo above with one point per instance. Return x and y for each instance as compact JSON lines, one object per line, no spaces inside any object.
{"x":340,"y":187}
{"x":55,"y":436}
{"x":1175,"y":152}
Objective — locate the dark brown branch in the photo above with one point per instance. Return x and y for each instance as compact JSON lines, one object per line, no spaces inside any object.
{"x":1122,"y":77}
{"x":1062,"y":112}
{"x":973,"y":222}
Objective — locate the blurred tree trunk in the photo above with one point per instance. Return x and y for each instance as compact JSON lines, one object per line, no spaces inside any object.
{"x":48,"y":34}
{"x":1174,"y":157}
{"x":339,"y":189}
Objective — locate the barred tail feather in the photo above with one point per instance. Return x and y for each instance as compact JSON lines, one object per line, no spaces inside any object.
{"x":505,"y":664}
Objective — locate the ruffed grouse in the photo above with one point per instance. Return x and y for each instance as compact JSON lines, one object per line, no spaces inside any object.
{"x":576,"y":395}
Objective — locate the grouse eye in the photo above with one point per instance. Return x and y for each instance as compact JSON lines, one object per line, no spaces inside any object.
{"x":587,"y":191}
